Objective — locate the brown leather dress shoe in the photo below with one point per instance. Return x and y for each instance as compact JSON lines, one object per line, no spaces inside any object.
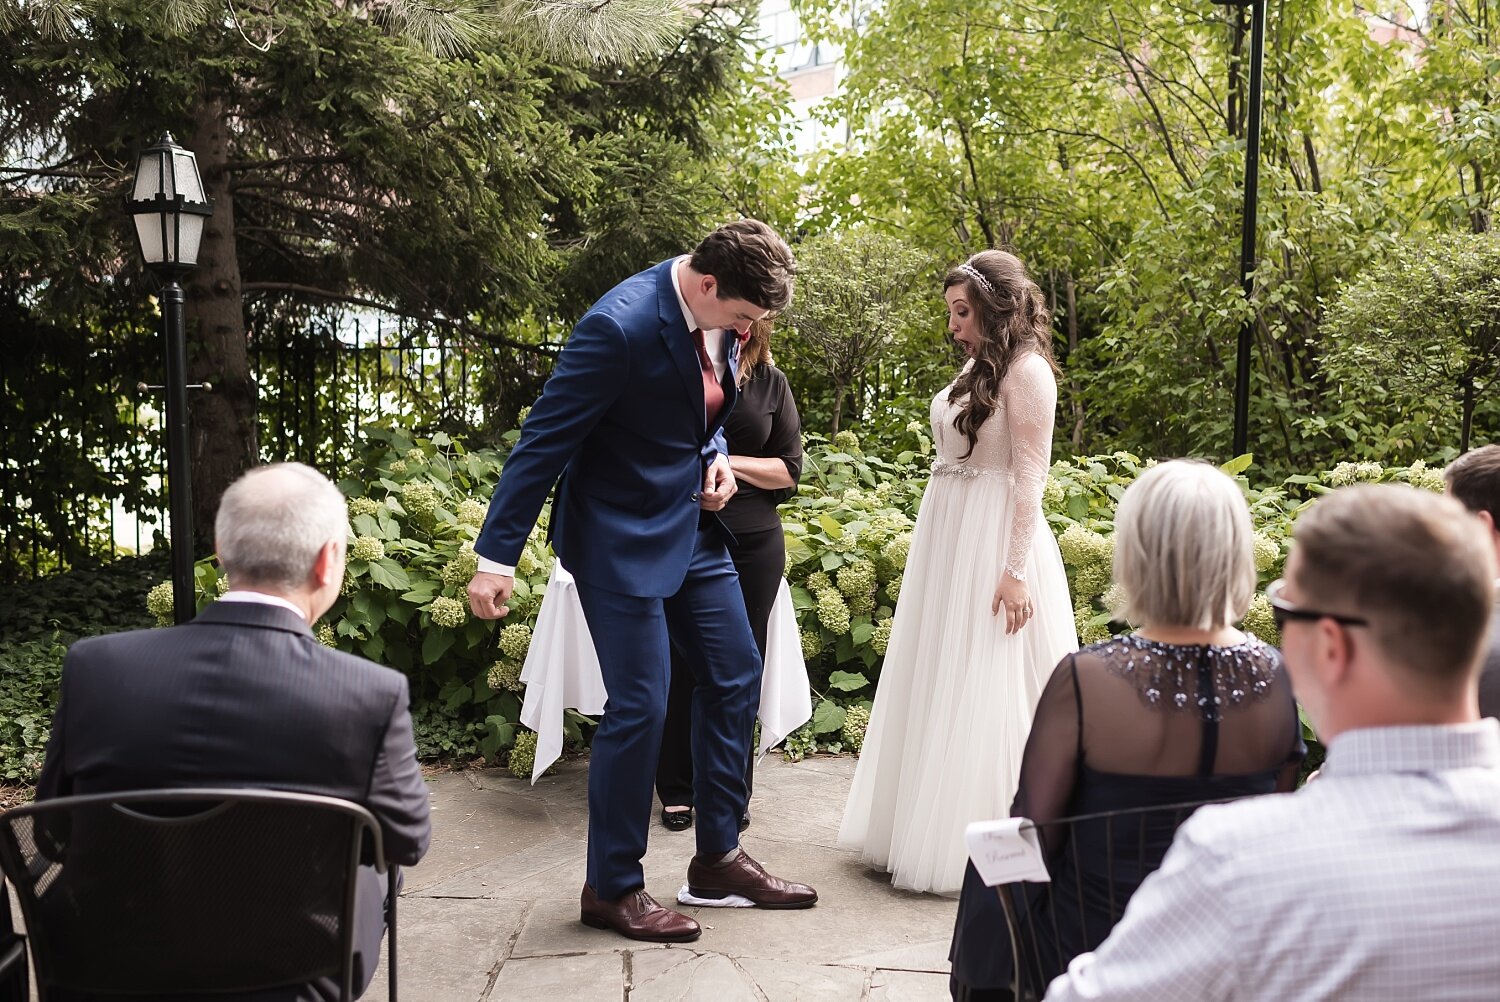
{"x":637,"y":915}
{"x":744,"y":876}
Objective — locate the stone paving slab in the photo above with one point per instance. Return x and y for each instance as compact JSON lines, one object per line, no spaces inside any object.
{"x":864,"y":940}
{"x":492,"y":912}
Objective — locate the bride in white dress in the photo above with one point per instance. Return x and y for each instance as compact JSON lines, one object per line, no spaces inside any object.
{"x":984,"y":613}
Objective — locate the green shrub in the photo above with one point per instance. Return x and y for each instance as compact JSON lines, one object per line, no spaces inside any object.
{"x":99,"y":598}
{"x":416,"y":512}
{"x":41,"y":619}
{"x":30,"y":676}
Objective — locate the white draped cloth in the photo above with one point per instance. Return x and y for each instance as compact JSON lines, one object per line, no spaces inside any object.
{"x":562,"y":672}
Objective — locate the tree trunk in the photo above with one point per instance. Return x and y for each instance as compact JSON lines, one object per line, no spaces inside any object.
{"x":838,"y":405}
{"x":1479,"y":220}
{"x":1468,"y":419}
{"x":1234,"y":105}
{"x":223,"y":432}
{"x":1070,"y":292}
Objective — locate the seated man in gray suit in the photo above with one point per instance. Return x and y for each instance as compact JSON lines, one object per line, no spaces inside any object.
{"x":1474,"y":479}
{"x":245,"y":695}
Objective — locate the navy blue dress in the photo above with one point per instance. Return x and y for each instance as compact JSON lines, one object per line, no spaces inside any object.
{"x":1126,"y":723}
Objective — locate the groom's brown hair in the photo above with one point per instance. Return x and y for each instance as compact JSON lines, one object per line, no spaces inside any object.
{"x":750,"y":262}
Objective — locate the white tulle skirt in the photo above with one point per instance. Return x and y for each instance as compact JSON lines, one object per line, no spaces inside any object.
{"x":956,"y":694}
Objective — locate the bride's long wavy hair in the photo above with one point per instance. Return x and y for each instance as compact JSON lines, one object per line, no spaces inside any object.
{"x":1013,"y":318}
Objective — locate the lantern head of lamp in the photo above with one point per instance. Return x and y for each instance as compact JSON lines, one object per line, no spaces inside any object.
{"x":169,"y":207}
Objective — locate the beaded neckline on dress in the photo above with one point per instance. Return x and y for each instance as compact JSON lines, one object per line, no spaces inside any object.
{"x":1167,"y":676}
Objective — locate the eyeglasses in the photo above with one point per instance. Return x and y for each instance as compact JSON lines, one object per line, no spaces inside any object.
{"x":1282,"y":609}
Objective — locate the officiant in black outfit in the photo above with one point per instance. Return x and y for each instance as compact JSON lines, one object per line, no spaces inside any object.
{"x":764,"y":435}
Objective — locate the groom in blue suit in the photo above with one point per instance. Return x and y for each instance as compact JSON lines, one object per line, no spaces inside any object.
{"x":628,"y":428}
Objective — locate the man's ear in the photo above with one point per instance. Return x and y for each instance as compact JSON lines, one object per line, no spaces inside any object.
{"x":1334,"y":654}
{"x":327,"y":567}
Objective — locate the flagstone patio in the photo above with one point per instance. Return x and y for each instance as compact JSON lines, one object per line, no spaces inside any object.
{"x":492,"y":912}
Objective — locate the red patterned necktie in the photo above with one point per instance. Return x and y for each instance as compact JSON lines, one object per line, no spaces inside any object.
{"x":713,"y":393}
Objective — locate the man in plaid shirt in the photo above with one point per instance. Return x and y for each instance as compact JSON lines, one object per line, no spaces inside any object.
{"x":1377,"y":881}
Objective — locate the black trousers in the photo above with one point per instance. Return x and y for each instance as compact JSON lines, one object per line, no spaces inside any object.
{"x":760,"y":559}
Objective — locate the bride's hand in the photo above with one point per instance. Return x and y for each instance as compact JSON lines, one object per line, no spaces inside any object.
{"x":1015,"y":598}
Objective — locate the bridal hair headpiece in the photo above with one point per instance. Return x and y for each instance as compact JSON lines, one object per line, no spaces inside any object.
{"x":978,"y":276}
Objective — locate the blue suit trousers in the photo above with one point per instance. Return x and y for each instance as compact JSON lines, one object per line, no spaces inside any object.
{"x":633,"y":636}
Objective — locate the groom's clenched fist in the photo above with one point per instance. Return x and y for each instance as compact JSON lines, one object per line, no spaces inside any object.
{"x":488,"y":594}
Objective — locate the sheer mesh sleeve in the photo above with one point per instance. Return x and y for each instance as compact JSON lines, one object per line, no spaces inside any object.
{"x":1049,"y":766}
{"x":1030,"y":405}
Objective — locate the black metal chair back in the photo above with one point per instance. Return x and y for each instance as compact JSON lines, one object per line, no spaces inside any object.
{"x":15,"y":984}
{"x":159,"y":892}
{"x":1096,"y":862}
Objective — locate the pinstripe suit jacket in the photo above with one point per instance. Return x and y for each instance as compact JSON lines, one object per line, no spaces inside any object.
{"x":244,"y":696}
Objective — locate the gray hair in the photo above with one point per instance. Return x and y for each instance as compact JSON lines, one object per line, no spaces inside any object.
{"x":272,"y":523}
{"x":1184,"y":548}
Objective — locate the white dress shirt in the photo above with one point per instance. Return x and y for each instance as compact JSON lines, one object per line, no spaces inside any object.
{"x":261,"y":598}
{"x":713,"y":340}
{"x":1379,"y":882}
{"x":713,"y":344}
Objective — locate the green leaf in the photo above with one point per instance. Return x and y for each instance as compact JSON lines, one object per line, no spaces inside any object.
{"x":374,"y":648}
{"x":389,"y":574}
{"x":455,"y":694}
{"x":827,"y":717}
{"x":398,"y":656}
{"x":436,"y":644}
{"x":831,"y":526}
{"x":1238,"y":465}
{"x":861,"y":633}
{"x":843,"y":648}
{"x":847,"y":681}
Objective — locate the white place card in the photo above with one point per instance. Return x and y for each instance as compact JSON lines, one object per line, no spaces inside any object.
{"x":1004,"y":852}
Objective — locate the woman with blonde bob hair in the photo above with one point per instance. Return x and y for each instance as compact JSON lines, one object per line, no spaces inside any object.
{"x":1184,"y":708}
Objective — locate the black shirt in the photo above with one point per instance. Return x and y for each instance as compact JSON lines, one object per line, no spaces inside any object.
{"x":763,"y":424}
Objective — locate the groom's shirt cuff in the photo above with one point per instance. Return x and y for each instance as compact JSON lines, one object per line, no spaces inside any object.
{"x":488,"y":566}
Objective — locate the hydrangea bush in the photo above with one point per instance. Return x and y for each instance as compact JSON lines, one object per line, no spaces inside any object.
{"x":416,"y":511}
{"x":414,"y":514}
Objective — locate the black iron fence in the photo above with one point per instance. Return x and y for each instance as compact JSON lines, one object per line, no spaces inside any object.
{"x":317,"y":391}
{"x":85,"y":480}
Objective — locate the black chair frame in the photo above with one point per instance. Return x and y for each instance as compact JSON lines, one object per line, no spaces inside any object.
{"x":1054,"y":836}
{"x":365,"y":841}
{"x":15,"y":981}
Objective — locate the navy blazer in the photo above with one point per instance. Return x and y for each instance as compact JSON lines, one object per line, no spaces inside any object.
{"x":621,"y":422}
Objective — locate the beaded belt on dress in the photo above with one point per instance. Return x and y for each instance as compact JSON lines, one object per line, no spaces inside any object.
{"x":942,"y":469}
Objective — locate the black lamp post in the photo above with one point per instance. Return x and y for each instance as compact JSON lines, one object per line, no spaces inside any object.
{"x":1247,"y":219}
{"x":170,"y":209}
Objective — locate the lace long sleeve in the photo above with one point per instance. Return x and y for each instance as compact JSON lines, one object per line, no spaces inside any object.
{"x":1030,"y":394}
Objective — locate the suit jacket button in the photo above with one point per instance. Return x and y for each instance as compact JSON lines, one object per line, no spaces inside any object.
{"x":694,"y":496}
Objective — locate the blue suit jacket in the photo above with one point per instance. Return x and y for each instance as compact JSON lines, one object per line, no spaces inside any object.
{"x":621,"y":422}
